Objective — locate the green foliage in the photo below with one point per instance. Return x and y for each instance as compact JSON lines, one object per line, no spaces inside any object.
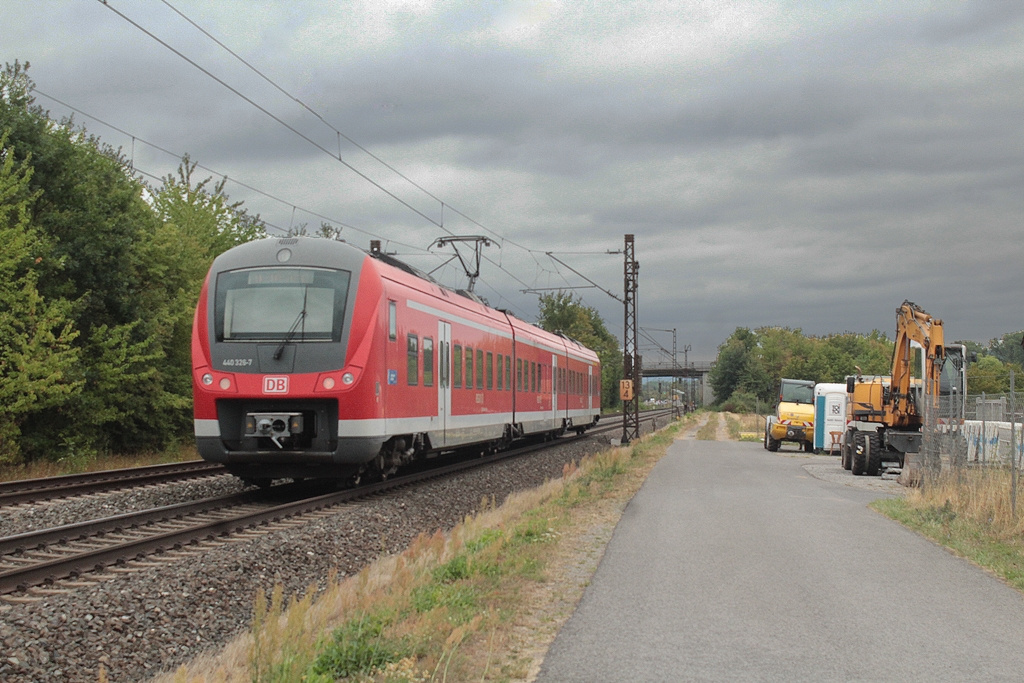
{"x":36,"y":335}
{"x":454,"y":570}
{"x":459,"y":599}
{"x":742,"y":402}
{"x":989,"y":375}
{"x":99,"y":277}
{"x":751,"y":363}
{"x":1008,"y":349}
{"x":565,"y":313}
{"x":359,"y":647}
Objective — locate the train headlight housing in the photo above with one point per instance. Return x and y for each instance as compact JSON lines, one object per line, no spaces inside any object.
{"x":211,"y":380}
{"x":336,"y":381}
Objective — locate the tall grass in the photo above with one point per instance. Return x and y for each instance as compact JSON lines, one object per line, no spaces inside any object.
{"x":983,"y":495}
{"x":969,"y":512}
{"x":709,"y":431}
{"x":76,"y":464}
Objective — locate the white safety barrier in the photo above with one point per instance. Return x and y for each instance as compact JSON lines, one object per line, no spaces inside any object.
{"x":989,"y":441}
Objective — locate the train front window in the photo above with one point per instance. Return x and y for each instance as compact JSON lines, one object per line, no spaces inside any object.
{"x":281,"y":304}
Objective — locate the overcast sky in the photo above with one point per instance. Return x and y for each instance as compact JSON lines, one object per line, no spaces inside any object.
{"x":807,"y":164}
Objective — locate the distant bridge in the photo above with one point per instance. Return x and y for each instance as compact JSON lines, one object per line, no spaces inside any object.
{"x":670,"y":369}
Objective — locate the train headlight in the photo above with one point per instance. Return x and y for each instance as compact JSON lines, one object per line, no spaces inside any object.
{"x":348,"y":378}
{"x":328,"y":382}
{"x":207,"y":379}
{"x":225,"y":383}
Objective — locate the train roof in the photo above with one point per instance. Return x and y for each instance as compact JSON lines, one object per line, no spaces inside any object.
{"x":328,"y":253}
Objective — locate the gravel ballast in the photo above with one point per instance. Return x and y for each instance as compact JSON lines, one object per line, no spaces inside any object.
{"x":154,"y":617}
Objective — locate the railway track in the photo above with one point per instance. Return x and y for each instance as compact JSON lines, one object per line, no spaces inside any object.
{"x":37,"y":490}
{"x":53,"y":555}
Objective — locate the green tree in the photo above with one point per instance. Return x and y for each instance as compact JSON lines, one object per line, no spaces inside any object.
{"x":90,"y":216}
{"x":204,"y":215}
{"x":36,"y":335}
{"x":1007,"y":348}
{"x":990,"y":375}
{"x":733,"y":363}
{"x":751,"y":363}
{"x":565,"y":313}
{"x":125,"y":262}
{"x":197,"y":223}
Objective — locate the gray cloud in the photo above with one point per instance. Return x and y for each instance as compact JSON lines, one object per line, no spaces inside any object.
{"x":801,"y":164}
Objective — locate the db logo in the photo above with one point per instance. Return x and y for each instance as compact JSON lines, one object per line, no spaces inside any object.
{"x":275,"y":385}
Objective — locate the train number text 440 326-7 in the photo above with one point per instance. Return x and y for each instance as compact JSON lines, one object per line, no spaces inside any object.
{"x":236,"y":362}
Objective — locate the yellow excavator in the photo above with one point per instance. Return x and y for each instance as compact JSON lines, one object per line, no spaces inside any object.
{"x":886,"y":414}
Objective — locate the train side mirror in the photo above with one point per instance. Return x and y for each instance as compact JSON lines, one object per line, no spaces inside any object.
{"x":850,"y":381}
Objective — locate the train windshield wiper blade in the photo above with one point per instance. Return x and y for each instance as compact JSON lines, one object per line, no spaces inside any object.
{"x":300,"y":318}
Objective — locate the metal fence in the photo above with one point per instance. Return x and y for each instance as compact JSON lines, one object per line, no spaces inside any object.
{"x":984,"y":429}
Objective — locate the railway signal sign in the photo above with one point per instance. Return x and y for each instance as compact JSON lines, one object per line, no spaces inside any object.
{"x":626,"y":389}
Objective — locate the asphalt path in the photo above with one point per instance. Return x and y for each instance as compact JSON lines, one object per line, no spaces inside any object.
{"x":735,"y":564}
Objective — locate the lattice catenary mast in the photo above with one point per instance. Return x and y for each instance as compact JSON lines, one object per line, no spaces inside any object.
{"x":630,"y":359}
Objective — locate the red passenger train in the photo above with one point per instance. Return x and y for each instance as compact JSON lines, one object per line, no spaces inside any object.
{"x":314,"y":359}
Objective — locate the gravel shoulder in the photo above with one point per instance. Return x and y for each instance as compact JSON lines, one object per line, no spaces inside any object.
{"x":161,"y":612}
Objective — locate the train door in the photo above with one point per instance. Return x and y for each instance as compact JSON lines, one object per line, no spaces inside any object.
{"x":590,"y":388}
{"x":554,"y":392}
{"x":444,"y":384}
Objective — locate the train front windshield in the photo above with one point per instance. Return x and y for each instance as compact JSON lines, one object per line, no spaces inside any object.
{"x":281,"y":304}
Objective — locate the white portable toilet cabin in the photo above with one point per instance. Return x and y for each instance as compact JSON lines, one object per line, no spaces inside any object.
{"x":829,"y":414}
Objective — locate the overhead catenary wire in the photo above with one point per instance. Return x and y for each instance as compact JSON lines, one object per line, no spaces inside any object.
{"x":502,"y":238}
{"x":251,"y":188}
{"x":133,"y":167}
{"x":338,"y":132}
{"x":273,"y":116}
{"x":440,"y":224}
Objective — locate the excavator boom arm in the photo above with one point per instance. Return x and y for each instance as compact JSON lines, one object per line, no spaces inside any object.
{"x":913,"y":324}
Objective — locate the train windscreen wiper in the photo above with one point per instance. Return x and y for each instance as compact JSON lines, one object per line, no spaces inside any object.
{"x":300,"y":318}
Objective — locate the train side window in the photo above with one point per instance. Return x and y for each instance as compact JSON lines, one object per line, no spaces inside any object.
{"x":457,"y":366}
{"x":501,"y":371}
{"x":533,"y":377}
{"x":469,"y":368}
{"x":413,"y":364}
{"x":508,"y":372}
{"x":479,"y":369}
{"x":392,"y":320}
{"x":519,"y":374}
{"x":428,"y":362}
{"x":490,"y":370}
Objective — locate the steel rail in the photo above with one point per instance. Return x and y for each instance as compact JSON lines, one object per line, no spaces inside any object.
{"x":21,"y":579}
{"x":46,"y":488}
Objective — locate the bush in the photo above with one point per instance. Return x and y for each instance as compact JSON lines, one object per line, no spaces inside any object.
{"x":740,"y":402}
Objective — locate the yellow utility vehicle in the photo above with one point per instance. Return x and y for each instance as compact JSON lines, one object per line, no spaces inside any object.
{"x":794,"y":417}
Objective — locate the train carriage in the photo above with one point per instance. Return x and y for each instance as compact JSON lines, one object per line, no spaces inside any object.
{"x":314,"y":359}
